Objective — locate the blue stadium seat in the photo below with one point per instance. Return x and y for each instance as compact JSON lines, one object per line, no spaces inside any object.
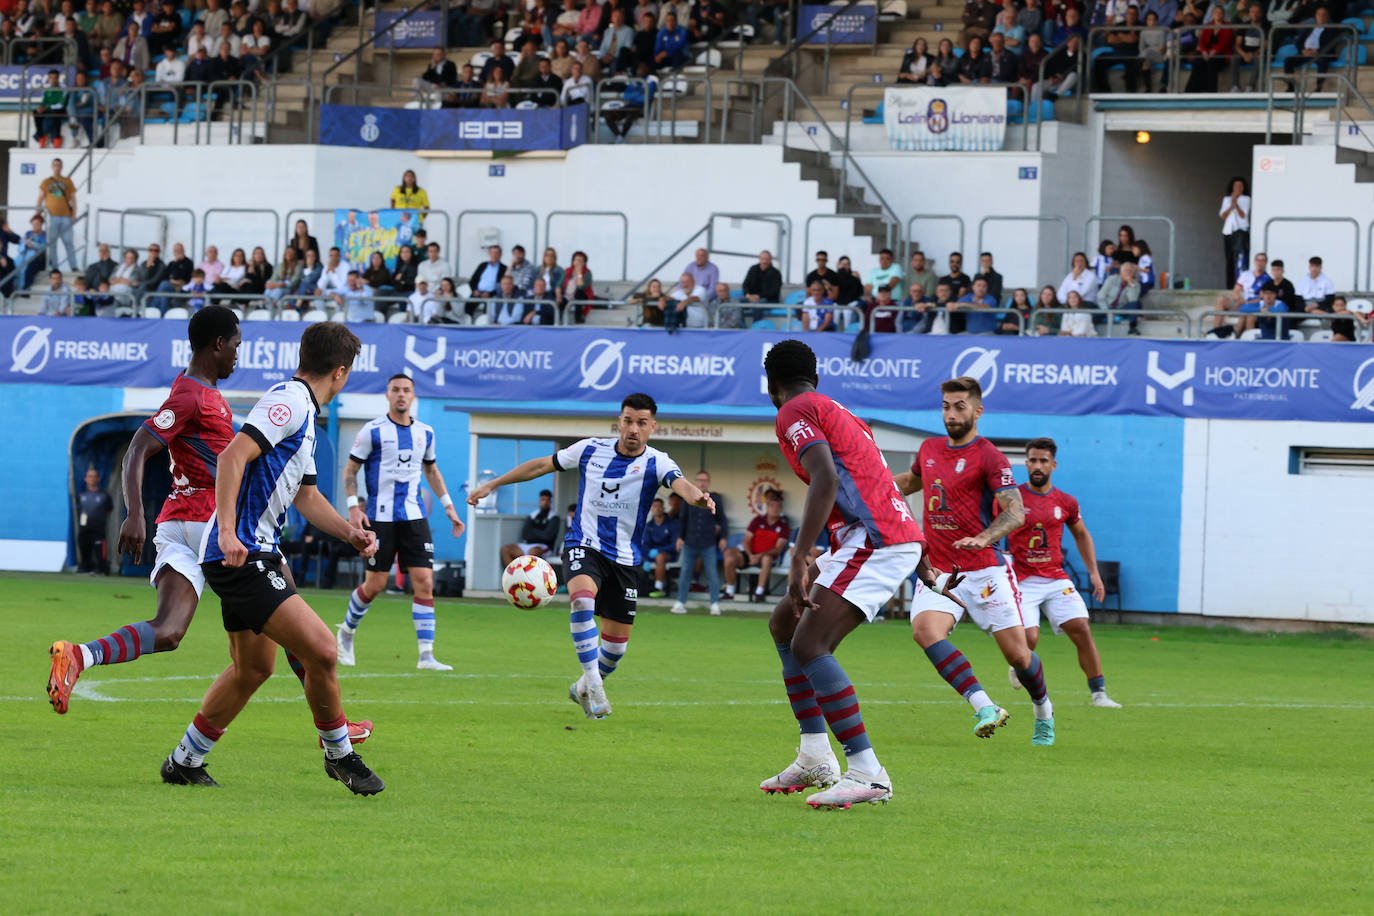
{"x":737,"y":295}
{"x":796,"y":297}
{"x":763,"y":324}
{"x":1284,"y":52}
{"x":185,"y":19}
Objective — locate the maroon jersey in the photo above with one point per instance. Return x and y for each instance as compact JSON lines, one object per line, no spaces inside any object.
{"x":195,"y":424}
{"x":866,"y":493}
{"x":764,"y":535}
{"x":1036,"y":547}
{"x":958,"y":490}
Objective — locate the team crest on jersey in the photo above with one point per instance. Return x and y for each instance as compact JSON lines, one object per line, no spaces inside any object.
{"x":164,"y":419}
{"x":1058,"y":513}
{"x":959,"y":466}
{"x":1069,"y":590}
{"x":277,"y":581}
{"x":798,"y":432}
{"x":988,"y":591}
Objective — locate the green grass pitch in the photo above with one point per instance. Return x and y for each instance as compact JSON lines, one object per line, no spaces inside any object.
{"x":1239,"y":777}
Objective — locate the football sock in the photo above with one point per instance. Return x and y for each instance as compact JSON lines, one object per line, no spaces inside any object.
{"x":198,"y":741}
{"x":296,"y":667}
{"x":729,"y":591}
{"x":1097,"y":684}
{"x":758,"y":590}
{"x":584,"y":636}
{"x":123,"y":645}
{"x":801,"y":696}
{"x":955,"y":669}
{"x":1032,"y":677}
{"x":837,"y":700}
{"x":658,"y":585}
{"x":422,"y":615}
{"x":335,"y":737}
{"x":613,"y":649}
{"x":357,"y":607}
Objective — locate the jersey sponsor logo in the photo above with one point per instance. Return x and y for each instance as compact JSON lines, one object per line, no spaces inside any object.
{"x":1067,"y":591}
{"x":165,"y":418}
{"x":959,"y":466}
{"x":799,"y":432}
{"x":936,"y":500}
{"x":901,"y":508}
{"x":988,"y":591}
{"x":279,"y":414}
{"x":602,"y":364}
{"x":404,"y":457}
{"x":610,"y":492}
{"x":1008,"y":479}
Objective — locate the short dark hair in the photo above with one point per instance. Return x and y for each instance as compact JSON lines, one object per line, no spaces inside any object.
{"x":985,"y":254}
{"x":1277,"y":262}
{"x":327,"y":346}
{"x":1045,"y":443}
{"x":210,"y":324}
{"x":639,"y":401}
{"x":548,"y":493}
{"x":964,"y":384}
{"x":521,"y":248}
{"x":886,"y":251}
{"x":1315,"y":260}
{"x":790,"y":361}
{"x":399,"y":375}
{"x":822,"y":253}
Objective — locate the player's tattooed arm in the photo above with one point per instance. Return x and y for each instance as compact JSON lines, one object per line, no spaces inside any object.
{"x":530,"y":470}
{"x":907,"y":482}
{"x":1011,"y":515}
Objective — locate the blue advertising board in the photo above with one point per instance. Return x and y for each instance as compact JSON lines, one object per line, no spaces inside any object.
{"x":1225,"y":380}
{"x":13,"y":77}
{"x":507,"y":129}
{"x":857,"y":25}
{"x":423,"y":29}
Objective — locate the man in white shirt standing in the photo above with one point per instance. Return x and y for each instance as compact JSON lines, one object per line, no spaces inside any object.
{"x":1235,"y":228}
{"x":1314,"y":288}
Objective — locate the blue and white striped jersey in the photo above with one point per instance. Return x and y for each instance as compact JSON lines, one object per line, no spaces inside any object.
{"x":391,"y":455}
{"x":614,"y":493}
{"x":283,"y":425}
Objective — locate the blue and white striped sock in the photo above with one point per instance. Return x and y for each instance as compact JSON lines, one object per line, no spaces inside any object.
{"x":422,"y":615}
{"x":357,"y":607}
{"x":198,"y":741}
{"x":582,"y":622}
{"x":613,"y":649}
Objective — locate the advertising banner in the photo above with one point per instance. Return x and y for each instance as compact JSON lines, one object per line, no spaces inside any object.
{"x":946,"y":117}
{"x":13,"y":77}
{"x":505,"y":129}
{"x":855,"y":26}
{"x":1225,"y":380}
{"x":424,"y":29}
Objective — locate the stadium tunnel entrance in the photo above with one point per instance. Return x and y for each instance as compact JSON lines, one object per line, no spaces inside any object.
{"x":101,"y":443}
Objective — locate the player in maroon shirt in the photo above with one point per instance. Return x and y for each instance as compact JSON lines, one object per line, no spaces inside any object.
{"x":875,"y":546}
{"x":764,"y":542}
{"x":194,"y":425}
{"x":1038,"y":559}
{"x":961,"y":478}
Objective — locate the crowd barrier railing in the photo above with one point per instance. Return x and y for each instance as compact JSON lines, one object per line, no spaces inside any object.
{"x":1103,"y":218}
{"x":616,"y":214}
{"x":1109,"y":320}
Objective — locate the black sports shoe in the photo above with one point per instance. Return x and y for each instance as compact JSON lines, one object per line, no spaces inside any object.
{"x":352,"y":772}
{"x":175,"y":774}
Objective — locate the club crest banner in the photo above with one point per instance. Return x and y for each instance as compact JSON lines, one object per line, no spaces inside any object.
{"x":946,"y":117}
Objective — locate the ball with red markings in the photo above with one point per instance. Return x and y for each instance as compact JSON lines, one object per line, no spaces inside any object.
{"x":529,"y":582}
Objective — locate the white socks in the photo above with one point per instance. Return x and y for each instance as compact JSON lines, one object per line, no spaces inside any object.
{"x":815,"y":744}
{"x":1043,"y":710}
{"x":865,"y":761}
{"x":978,"y":699}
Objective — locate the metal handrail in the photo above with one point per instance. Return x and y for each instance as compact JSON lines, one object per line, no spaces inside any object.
{"x":706,"y":229}
{"x":781,"y":220}
{"x":355,"y":88}
{"x":1006,"y":314}
{"x":1348,"y":34}
{"x":1319,"y":219}
{"x":276,"y":224}
{"x":596,"y":111}
{"x":365,"y":43}
{"x":1101,"y":218}
{"x":794,"y":48}
{"x":13,"y":276}
{"x":1068,"y":249}
{"x":624,"y":237}
{"x":806,"y":229}
{"x":69,"y":50}
{"x":458,"y":230}
{"x":1127,"y":313}
{"x":1173,"y":56}
{"x":123,"y":216}
{"x":1283,"y":322}
{"x":689,"y":79}
{"x":1081,"y":91}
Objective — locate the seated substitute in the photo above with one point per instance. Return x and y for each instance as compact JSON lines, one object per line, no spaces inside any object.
{"x":537,"y":535}
{"x":765,"y":541}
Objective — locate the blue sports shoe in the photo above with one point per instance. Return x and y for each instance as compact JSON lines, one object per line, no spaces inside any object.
{"x":1044,"y":732}
{"x":987,"y":720}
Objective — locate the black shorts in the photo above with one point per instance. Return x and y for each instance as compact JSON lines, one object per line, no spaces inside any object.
{"x":411,"y":541}
{"x":617,"y":587}
{"x":251,"y":593}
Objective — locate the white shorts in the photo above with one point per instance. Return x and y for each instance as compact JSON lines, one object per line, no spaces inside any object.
{"x":990,"y":595}
{"x":178,"y":547}
{"x":1058,"y":597}
{"x":865,"y":576}
{"x":529,"y":549}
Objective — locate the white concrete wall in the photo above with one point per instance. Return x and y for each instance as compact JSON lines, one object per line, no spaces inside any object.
{"x":1307,"y":181}
{"x":666,"y":191}
{"x":1257,"y":541}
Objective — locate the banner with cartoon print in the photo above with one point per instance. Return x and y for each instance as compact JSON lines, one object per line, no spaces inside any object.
{"x":945,"y":117}
{"x":358,"y":233}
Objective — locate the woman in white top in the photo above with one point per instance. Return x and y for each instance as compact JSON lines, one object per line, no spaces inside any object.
{"x":1235,"y":228}
{"x":234,"y":274}
{"x":1080,"y":279}
{"x":1079,"y":324}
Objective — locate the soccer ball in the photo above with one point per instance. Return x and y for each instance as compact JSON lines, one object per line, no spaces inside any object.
{"x":529,"y":582}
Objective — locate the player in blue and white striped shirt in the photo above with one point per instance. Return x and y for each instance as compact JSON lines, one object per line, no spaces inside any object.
{"x":268,"y":466}
{"x":618,"y":480}
{"x":394,"y":451}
